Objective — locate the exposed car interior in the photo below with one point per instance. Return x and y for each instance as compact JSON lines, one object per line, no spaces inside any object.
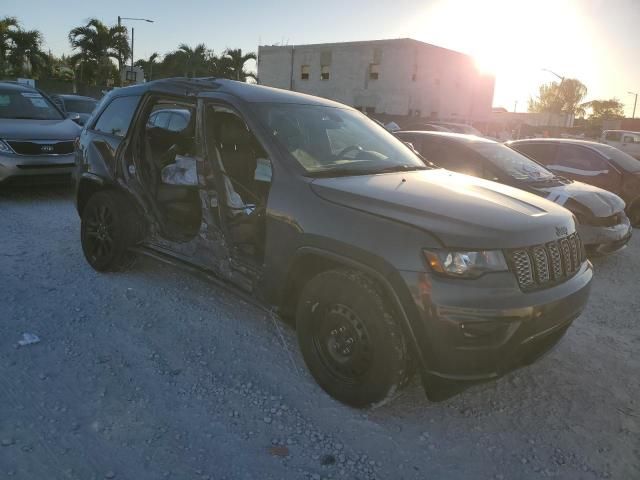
{"x":246,"y":178}
{"x":169,"y":170}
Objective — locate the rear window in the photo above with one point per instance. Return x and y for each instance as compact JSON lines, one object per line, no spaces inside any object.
{"x":116,"y":118}
{"x":27,"y":105}
{"x":619,"y":158}
{"x":80,"y":105}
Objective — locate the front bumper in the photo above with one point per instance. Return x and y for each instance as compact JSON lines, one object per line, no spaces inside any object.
{"x":480,"y":329}
{"x":36,"y":169}
{"x":605,"y":240}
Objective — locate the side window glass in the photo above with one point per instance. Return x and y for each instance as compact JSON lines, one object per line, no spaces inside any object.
{"x":579,"y":158}
{"x":116,"y":118}
{"x":461,"y":160}
{"x":541,"y":152}
{"x":431,"y":150}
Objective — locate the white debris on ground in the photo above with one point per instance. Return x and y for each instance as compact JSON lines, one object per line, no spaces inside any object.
{"x":154,"y":374}
{"x":28,"y":339}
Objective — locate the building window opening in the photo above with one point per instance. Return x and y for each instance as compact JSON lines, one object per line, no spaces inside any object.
{"x":374,"y":71}
{"x":304,"y":72}
{"x":324,"y":72}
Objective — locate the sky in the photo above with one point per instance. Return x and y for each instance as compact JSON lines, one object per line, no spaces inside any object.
{"x":596,"y":41}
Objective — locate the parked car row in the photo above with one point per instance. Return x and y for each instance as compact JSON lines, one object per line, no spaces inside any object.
{"x":602,"y":221}
{"x":36,"y":137}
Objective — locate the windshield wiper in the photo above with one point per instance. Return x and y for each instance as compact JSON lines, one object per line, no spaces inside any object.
{"x":346,"y":172}
{"x":339,"y":172}
{"x":400,"y":168}
{"x":30,"y":118}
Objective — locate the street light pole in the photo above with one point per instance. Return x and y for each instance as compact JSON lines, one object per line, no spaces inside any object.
{"x":132,"y":30}
{"x":132,"y":34}
{"x":634,"y":103}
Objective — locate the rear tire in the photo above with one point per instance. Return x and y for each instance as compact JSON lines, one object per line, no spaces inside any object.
{"x":350,"y":340}
{"x":108,"y":229}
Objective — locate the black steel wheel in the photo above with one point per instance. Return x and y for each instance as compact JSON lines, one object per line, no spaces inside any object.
{"x":349,"y":338}
{"x":107,"y":231}
{"x":342,"y":342}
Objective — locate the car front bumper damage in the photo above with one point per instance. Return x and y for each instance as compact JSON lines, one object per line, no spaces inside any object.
{"x":476,"y":330}
{"x":601,"y":240}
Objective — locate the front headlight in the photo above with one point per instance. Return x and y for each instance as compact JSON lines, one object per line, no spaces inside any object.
{"x":5,"y":148}
{"x":466,"y":264}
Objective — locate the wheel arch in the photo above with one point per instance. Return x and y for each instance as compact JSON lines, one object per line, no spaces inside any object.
{"x":310,"y":261}
{"x":89,"y":184}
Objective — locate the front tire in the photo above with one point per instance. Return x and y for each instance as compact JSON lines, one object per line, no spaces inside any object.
{"x":107,"y":231}
{"x":349,"y":339}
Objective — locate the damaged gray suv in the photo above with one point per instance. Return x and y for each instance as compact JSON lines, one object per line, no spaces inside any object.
{"x":386,"y":266}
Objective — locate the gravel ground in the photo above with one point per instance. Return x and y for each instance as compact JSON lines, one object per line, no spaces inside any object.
{"x":155,"y":373}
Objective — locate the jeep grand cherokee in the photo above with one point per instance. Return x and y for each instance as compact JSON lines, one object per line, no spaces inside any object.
{"x":314,"y":209}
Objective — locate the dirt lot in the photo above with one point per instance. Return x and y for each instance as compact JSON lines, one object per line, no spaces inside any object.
{"x":154,"y":374}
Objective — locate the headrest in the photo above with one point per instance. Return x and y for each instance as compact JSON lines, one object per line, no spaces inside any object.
{"x":233,"y":131}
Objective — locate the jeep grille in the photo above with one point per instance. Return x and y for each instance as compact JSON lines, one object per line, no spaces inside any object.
{"x":542,"y":266}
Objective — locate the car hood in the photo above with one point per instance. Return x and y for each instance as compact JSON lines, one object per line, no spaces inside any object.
{"x":582,"y":198}
{"x":65,"y":129}
{"x":462,"y":211}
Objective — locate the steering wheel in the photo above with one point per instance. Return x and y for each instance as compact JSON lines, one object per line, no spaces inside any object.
{"x":346,"y":150}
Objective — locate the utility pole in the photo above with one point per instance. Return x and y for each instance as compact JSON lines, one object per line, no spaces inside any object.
{"x":120,"y":23}
{"x":132,"y":74}
{"x":515,"y":106}
{"x":634,"y":103}
{"x":119,"y":55}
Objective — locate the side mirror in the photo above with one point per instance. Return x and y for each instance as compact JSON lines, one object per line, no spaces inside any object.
{"x":74,"y":116}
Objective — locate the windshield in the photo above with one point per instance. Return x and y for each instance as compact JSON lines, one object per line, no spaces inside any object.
{"x":79,"y":105}
{"x":621,"y":159}
{"x":333,"y":141}
{"x":16,"y":104}
{"x":511,"y":162}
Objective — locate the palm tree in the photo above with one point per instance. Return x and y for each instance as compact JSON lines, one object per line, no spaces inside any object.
{"x":194,"y":60}
{"x":147,"y":65}
{"x":26,"y":55}
{"x":236,"y":63}
{"x":97,"y":44}
{"x":7,"y":26}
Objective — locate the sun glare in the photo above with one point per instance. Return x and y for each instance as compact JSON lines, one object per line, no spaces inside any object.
{"x":512,"y":40}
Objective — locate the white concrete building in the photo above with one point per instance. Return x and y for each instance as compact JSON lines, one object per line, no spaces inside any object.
{"x":393,"y":78}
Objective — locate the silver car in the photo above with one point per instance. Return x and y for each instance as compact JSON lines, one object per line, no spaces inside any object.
{"x":36,"y":138}
{"x":625,"y":140}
